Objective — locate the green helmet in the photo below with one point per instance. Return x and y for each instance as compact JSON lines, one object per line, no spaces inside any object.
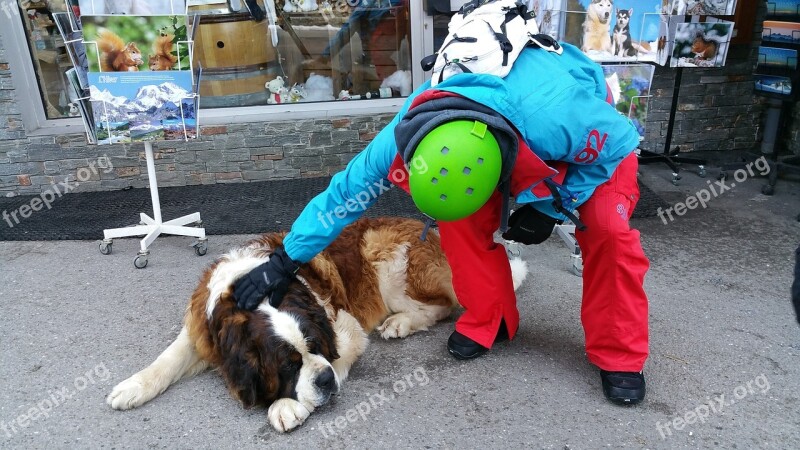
{"x":455,"y":169}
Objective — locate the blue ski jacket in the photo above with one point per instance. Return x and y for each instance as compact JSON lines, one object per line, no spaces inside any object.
{"x":556,"y":102}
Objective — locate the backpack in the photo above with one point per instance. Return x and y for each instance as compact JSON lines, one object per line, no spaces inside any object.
{"x":486,"y":36}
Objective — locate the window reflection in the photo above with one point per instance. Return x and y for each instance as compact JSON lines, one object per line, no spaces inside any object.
{"x":347,"y":49}
{"x":49,"y":56}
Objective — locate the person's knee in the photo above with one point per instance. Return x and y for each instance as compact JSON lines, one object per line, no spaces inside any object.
{"x":612,"y":229}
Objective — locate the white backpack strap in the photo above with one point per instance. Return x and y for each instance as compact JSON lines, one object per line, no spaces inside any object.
{"x":546,"y":42}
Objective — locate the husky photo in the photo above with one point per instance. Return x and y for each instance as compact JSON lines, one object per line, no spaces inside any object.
{"x":612,"y":31}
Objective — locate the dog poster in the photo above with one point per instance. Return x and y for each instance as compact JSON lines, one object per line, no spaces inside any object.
{"x":143,"y":106}
{"x":701,"y":44}
{"x":133,"y":7}
{"x":135,"y":43}
{"x":615,"y":30}
{"x":629,"y":85}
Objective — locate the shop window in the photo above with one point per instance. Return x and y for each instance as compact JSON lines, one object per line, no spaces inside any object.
{"x":50,"y":59}
{"x":344,"y":49}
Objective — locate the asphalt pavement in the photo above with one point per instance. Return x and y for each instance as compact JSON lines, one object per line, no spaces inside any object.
{"x":724,"y":369}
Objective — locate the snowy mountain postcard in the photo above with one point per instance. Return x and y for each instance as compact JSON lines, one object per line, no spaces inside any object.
{"x":777,"y":86}
{"x":786,"y":32}
{"x":143,"y":106}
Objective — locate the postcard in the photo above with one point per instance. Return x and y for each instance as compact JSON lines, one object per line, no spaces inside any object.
{"x":777,"y":58}
{"x":629,"y":85}
{"x":773,"y":85}
{"x":786,"y":32}
{"x":624,"y":30}
{"x":701,"y":44}
{"x":710,"y":7}
{"x":73,"y":42}
{"x":780,"y":8}
{"x":132,"y":7}
{"x":143,"y":106}
{"x":548,"y":15}
{"x":132,"y":43}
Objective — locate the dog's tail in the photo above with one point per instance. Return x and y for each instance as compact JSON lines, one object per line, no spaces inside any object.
{"x":519,"y":271}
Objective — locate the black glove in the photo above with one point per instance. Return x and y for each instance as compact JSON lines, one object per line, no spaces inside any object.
{"x":529,"y":226}
{"x":269,"y":279}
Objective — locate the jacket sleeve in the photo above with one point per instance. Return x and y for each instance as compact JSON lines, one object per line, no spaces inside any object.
{"x":349,"y":194}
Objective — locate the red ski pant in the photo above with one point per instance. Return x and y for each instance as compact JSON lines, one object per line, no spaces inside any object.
{"x":614,"y":308}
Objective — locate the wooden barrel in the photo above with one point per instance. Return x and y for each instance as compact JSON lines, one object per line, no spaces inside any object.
{"x":237,"y":57}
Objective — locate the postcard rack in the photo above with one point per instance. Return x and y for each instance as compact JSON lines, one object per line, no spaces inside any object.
{"x":776,"y":77}
{"x":126,"y":104}
{"x":674,"y":33}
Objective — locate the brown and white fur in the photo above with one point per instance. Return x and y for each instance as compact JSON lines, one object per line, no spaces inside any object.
{"x":597,"y":26}
{"x":378,"y":274}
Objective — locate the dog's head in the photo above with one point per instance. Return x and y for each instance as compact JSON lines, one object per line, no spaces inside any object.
{"x":601,"y":10}
{"x":269,"y":354}
{"x":623,"y":18}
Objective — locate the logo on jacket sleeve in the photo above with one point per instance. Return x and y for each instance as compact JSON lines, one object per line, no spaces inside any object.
{"x":589,"y":154}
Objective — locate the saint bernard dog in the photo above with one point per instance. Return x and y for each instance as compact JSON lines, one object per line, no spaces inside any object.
{"x":378,"y":274}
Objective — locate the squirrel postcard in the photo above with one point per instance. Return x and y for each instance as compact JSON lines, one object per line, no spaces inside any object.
{"x":132,"y":44}
{"x":703,"y":44}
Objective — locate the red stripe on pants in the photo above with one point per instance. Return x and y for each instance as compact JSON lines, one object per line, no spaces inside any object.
{"x":614,"y":310}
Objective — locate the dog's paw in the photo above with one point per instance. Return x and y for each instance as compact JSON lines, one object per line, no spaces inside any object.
{"x":128,"y":394}
{"x":285,"y":414}
{"x":397,"y":325}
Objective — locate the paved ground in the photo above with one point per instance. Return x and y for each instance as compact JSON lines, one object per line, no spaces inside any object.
{"x":74,"y":323}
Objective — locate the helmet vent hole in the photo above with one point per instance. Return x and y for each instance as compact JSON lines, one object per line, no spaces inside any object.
{"x":434,"y":180}
{"x":480,"y":160}
{"x":467,"y":170}
{"x":442,"y":197}
{"x":443,"y":171}
{"x":445,"y":150}
{"x":470,"y":191}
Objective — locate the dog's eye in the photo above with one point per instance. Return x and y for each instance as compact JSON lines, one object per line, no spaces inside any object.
{"x":313,"y":346}
{"x":291,"y":363}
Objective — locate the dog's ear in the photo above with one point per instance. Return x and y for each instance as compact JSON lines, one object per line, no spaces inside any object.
{"x":630,"y":12}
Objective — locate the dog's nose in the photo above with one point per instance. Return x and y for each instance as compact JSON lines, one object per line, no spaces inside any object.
{"x":326,"y":380}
